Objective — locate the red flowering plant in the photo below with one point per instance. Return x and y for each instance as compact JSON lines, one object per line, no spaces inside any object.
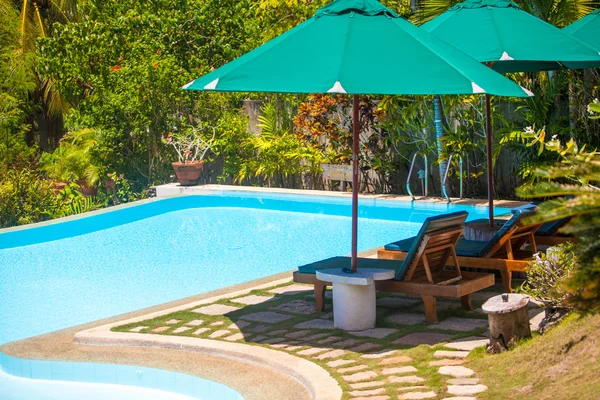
{"x":191,"y":144}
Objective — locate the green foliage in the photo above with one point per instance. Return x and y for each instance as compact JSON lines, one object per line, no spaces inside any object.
{"x":547,"y":276}
{"x":594,"y":109}
{"x":577,"y":176}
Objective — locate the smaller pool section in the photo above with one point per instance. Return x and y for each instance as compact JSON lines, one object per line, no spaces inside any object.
{"x":53,"y":380}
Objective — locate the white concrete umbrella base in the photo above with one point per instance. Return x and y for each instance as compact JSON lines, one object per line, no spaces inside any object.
{"x":354,"y":296}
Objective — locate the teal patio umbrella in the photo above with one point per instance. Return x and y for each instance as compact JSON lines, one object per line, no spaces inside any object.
{"x":508,"y":39}
{"x":356,"y":47}
{"x":586,"y":29}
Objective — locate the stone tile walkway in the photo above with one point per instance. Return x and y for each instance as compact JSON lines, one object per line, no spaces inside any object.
{"x":404,"y":357}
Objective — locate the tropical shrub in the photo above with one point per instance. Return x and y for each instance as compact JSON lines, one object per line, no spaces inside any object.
{"x":572,"y":183}
{"x":547,"y":276}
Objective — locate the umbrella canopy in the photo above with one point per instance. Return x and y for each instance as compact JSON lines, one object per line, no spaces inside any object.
{"x":587,"y":29}
{"x":356,"y":47}
{"x":501,"y":33}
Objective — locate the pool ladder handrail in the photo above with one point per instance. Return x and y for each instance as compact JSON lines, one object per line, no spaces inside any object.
{"x":460,"y":166}
{"x":410,"y":174}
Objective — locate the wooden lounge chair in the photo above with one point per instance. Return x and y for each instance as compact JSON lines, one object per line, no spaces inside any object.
{"x":422,"y":272}
{"x":503,"y":252}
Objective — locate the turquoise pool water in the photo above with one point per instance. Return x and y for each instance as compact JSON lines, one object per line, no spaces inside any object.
{"x":76,"y":271}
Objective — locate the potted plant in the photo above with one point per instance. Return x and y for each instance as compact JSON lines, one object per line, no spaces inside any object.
{"x":191,"y":148}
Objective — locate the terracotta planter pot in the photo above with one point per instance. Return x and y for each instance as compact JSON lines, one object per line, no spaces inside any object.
{"x":188,"y":174}
{"x":86,"y":190}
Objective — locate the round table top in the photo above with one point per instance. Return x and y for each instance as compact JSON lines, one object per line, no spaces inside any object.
{"x":363,"y":276}
{"x":505,"y":303}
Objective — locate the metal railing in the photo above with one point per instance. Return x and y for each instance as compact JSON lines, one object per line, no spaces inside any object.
{"x":460,"y":166}
{"x":424,"y":181}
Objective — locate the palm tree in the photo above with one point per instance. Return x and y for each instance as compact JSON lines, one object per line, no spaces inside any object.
{"x":36,"y":18}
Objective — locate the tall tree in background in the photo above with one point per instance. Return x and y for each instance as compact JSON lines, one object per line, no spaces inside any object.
{"x":36,"y":18}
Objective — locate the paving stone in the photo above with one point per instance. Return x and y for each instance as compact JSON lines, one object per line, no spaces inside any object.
{"x":215,"y":309}
{"x":314,"y":337}
{"x":296,"y":307}
{"x":331,"y":354}
{"x":376,"y":333}
{"x":419,"y":338}
{"x":371,"y":398}
{"x":536,"y":315}
{"x":484,"y":296}
{"x":468,"y":343}
{"x":279,"y":332}
{"x":273,"y":340}
{"x":450,"y":354}
{"x":441,"y":363}
{"x":398,"y":370}
{"x":218,"y":323}
{"x":460,"y":324}
{"x":379,"y":354}
{"x":456,"y":371}
{"x":201,"y":331}
{"x":395,"y":302}
{"x":235,"y":337}
{"x":406,"y":319}
{"x":361,"y":348}
{"x":315,"y":324}
{"x":339,"y":363}
{"x":173,"y":321}
{"x":366,"y":385}
{"x":161,"y":329}
{"x":329,"y":339}
{"x":294,"y":348}
{"x":195,"y":322}
{"x":466,"y":390}
{"x":292,"y":289}
{"x":138,"y":329}
{"x":410,"y":388}
{"x":238,"y":325}
{"x":395,"y":360}
{"x":218,"y":334}
{"x":266,"y":317}
{"x":460,"y":398}
{"x":313,"y":351}
{"x":440,"y":306}
{"x":417,"y":395}
{"x":328,"y":315}
{"x":345,"y":343}
{"x":298,"y":334}
{"x":352,"y":369}
{"x":182,"y":329}
{"x":405,"y":379}
{"x":360,"y":376}
{"x":252,"y":300}
{"x":279,"y":346}
{"x":463,"y":381}
{"x":260,"y":338}
{"x":371,"y":392}
{"x":257,"y":328}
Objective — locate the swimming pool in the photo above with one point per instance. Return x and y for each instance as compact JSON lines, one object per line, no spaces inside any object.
{"x":77,"y":270}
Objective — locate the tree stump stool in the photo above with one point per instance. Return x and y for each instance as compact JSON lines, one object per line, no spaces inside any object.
{"x":509,"y":321}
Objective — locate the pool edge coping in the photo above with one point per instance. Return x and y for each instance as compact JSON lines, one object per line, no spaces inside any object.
{"x":319,"y":383}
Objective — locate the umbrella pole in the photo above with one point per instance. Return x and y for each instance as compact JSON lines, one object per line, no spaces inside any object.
{"x":490,"y":166}
{"x":355,"y":140}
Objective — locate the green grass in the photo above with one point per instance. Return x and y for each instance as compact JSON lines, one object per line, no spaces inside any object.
{"x":564,"y":364}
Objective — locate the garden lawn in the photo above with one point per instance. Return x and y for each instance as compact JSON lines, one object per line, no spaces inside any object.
{"x":561,"y":364}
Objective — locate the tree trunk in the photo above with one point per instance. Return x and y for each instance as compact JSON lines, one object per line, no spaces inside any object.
{"x":572,"y":105}
{"x":439,"y":133}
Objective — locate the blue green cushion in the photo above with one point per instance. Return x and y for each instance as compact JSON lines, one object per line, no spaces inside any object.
{"x":346,"y":262}
{"x":469,"y":248}
{"x":551,"y":228}
{"x":401,"y":245}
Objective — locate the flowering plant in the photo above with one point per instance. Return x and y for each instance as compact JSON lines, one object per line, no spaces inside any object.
{"x":189,"y":144}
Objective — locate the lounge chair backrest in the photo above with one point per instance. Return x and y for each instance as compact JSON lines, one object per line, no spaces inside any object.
{"x":430,"y":225}
{"x":510,"y":227}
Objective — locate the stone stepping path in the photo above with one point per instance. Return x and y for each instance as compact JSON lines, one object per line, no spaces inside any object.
{"x":375,"y":364}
